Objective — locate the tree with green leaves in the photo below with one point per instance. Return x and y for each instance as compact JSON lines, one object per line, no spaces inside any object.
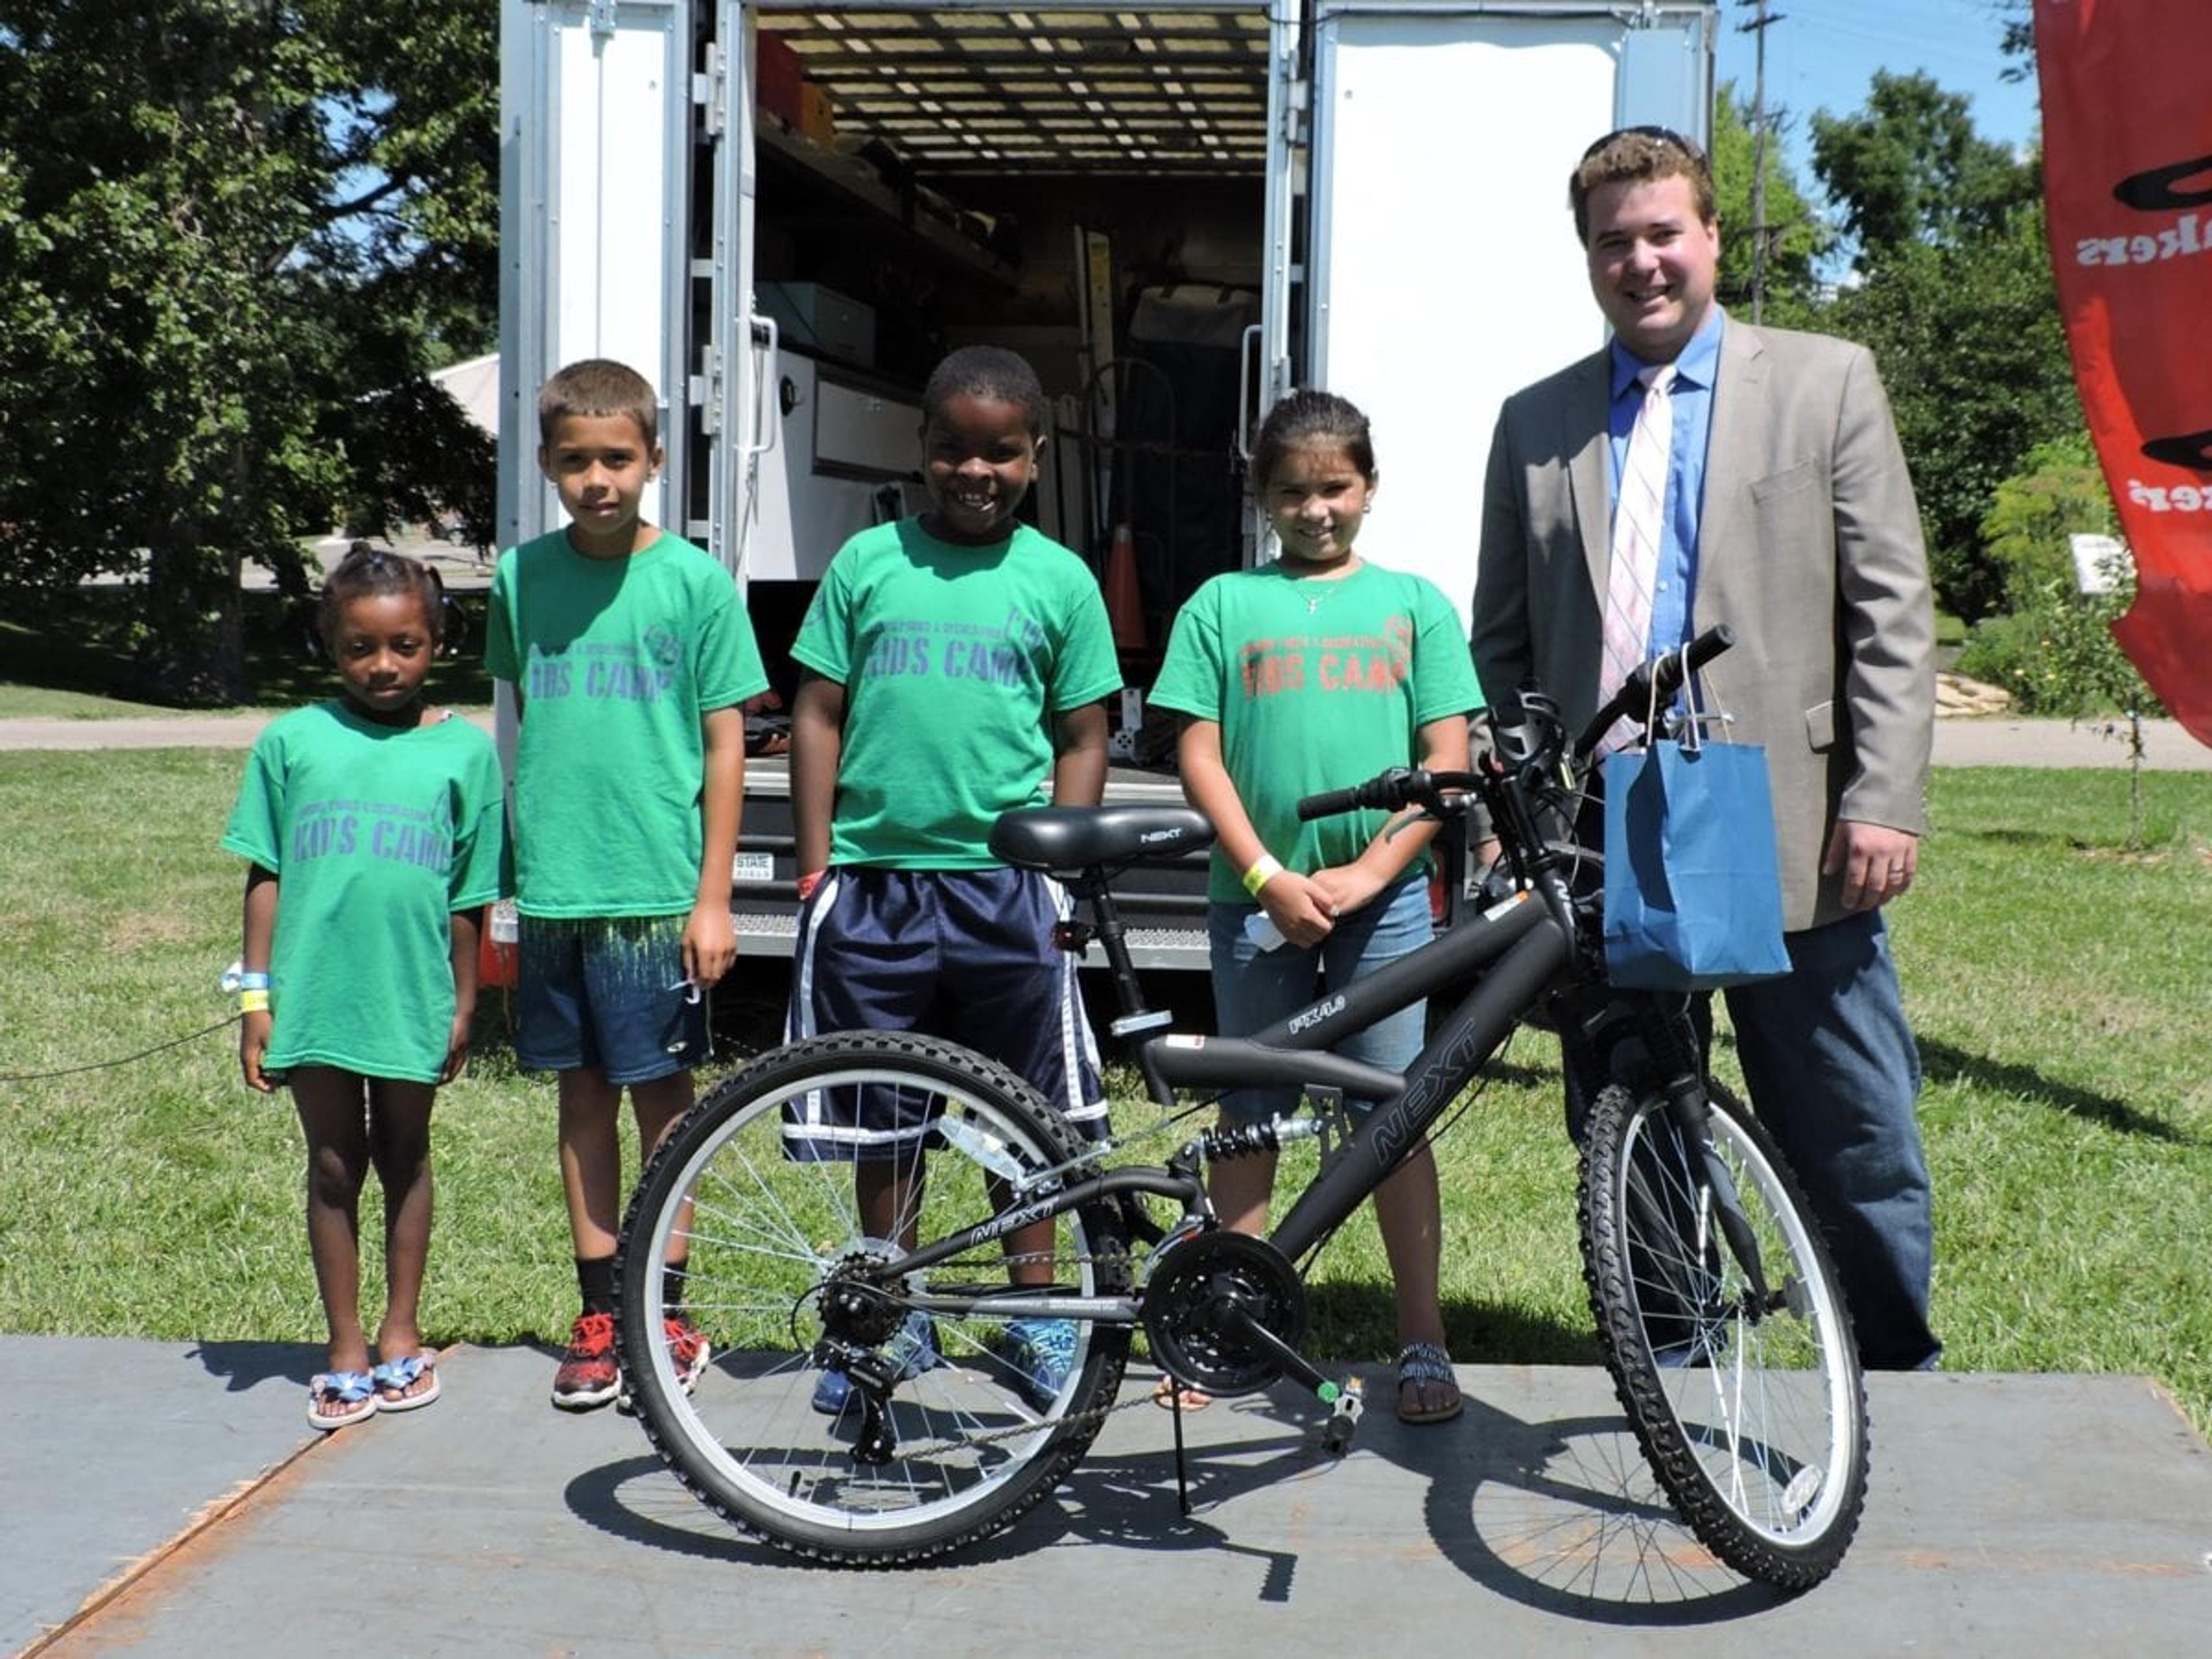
{"x":1797,"y":238}
{"x":1909,"y":170}
{"x":1974,"y":358}
{"x":1951,"y":287}
{"x":2019,"y":38}
{"x":2059,"y":493}
{"x":233,"y":236}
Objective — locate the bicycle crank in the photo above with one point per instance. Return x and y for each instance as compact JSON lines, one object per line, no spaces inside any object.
{"x":1224,"y":1313}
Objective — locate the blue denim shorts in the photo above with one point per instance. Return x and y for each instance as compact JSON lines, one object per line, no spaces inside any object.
{"x":1253,"y":988}
{"x":608,"y":992}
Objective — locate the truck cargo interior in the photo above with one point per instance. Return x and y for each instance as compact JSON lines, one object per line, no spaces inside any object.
{"x":1084,"y":187}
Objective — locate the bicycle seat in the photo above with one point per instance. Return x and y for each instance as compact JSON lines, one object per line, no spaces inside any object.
{"x":1073,"y":838}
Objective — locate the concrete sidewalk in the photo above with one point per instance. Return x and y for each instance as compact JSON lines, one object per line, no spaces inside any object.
{"x":183,"y":1507}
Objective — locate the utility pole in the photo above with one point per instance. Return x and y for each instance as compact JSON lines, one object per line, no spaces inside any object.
{"x":1757,"y":29}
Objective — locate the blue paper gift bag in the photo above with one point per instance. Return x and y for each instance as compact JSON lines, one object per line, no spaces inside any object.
{"x":1692,"y":898}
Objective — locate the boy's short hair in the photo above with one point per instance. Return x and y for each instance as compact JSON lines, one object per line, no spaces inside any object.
{"x":1640,"y":155}
{"x":985,"y":371}
{"x":598,"y":386}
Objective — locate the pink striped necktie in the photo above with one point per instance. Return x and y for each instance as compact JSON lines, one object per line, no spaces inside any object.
{"x":1639,"y":520}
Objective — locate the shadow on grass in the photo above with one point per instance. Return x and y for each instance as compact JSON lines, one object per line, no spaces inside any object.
{"x":1356,"y":1319}
{"x":81,"y":645}
{"x":1941,"y":1063}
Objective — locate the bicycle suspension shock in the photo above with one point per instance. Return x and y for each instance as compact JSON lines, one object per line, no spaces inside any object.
{"x":1249,"y":1140}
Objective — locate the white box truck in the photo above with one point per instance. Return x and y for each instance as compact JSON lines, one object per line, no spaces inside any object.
{"x":784,"y":214}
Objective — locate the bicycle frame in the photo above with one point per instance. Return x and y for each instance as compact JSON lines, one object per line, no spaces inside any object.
{"x":1518,"y":948}
{"x":1518,"y":951}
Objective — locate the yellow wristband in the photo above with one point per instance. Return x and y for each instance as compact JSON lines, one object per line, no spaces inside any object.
{"x":253,"y":1002}
{"x":1265,"y":869}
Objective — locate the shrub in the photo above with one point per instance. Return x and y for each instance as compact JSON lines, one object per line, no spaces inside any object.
{"x":2058,"y":656}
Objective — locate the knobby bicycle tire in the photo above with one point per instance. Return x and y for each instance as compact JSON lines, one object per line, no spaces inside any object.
{"x":1753,"y":1421}
{"x":976,"y":1442}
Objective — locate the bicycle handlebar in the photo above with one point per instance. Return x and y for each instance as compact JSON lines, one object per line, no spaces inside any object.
{"x":1391,"y":791}
{"x":1655,"y":682}
{"x":1401,"y":787}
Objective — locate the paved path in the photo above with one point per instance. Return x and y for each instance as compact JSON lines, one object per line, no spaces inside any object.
{"x":169,"y":1500}
{"x":1987,"y":740}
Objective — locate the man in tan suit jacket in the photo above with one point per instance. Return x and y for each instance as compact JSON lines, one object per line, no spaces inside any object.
{"x":1790,"y":516}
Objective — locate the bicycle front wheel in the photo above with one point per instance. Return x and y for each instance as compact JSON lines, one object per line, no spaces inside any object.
{"x":1751,"y":1408}
{"x":841,"y":1415}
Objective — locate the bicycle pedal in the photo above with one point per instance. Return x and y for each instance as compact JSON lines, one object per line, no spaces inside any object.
{"x":1345,"y":1408}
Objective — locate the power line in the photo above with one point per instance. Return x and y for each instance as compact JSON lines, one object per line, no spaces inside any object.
{"x":1757,"y":29}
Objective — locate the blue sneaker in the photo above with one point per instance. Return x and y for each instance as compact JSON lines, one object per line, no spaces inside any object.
{"x":1043,"y":1351}
{"x":911,"y":1351}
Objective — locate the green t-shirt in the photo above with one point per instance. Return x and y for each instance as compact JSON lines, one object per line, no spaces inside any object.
{"x":955,"y":661}
{"x":376,"y":835}
{"x":616,"y":661}
{"x":1315,"y":686}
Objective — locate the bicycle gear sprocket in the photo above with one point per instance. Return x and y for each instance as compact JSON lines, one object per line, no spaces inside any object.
{"x":1183,"y":1321}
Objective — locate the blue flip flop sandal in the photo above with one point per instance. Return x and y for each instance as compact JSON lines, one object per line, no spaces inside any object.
{"x":355,"y":1390}
{"x":395,"y":1376}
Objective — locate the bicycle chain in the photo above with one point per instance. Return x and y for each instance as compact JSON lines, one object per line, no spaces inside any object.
{"x":987,"y":1437}
{"x":1074,"y":1420}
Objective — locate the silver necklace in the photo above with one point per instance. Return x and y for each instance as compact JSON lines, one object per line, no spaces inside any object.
{"x":1315,"y":590}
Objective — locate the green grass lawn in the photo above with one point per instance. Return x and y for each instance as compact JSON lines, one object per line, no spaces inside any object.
{"x":2059,"y":987}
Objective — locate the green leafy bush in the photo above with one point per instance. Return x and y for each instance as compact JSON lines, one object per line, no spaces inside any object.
{"x":2058,"y":657}
{"x":2053,"y":649}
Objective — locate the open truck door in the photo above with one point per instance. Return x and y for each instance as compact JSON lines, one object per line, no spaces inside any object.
{"x":595,"y":179}
{"x":1442,"y":272}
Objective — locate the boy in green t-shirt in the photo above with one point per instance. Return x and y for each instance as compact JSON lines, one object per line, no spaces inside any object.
{"x":956,"y":662}
{"x":629,"y":653}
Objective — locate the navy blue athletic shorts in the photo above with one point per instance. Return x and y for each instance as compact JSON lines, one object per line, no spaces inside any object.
{"x":966,"y":955}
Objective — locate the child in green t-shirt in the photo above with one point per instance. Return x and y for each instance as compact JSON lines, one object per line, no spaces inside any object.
{"x":629,"y":652}
{"x":955,"y":664}
{"x":379,"y":822}
{"x":1308,"y":674}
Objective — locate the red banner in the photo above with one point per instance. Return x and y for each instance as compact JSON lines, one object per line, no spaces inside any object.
{"x":2127,"y":137}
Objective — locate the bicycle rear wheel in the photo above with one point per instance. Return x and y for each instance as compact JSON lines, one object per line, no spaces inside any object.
{"x":1752,"y":1412}
{"x":784,"y":1281}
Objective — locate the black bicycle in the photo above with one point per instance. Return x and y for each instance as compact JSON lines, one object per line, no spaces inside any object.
{"x":880,"y":1397}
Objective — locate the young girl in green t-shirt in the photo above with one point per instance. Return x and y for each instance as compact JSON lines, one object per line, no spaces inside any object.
{"x":1306,"y":674}
{"x":379,"y":823}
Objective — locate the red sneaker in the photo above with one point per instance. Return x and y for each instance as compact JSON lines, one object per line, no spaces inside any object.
{"x":687,"y":1352}
{"x":588,"y":1376}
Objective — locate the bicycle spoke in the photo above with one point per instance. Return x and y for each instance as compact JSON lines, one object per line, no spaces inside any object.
{"x":783,"y":1276}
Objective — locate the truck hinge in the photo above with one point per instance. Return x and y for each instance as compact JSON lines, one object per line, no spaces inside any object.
{"x":709,"y":90}
{"x":705,"y":390}
{"x":601,"y":18}
{"x":1298,"y":113}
